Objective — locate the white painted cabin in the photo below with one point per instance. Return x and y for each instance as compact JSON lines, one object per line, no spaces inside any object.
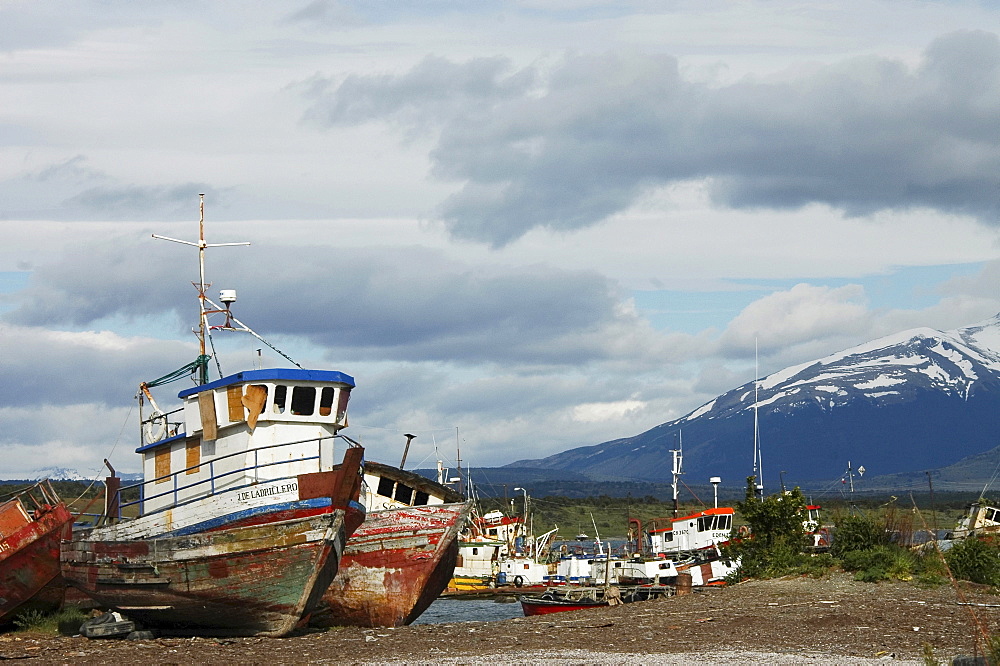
{"x":239,"y":443}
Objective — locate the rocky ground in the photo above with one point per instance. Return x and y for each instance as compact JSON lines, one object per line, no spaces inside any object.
{"x":833,"y":620}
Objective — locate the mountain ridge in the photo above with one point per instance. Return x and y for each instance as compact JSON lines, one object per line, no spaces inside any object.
{"x":914,"y":400}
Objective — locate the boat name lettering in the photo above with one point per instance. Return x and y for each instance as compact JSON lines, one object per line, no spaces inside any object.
{"x":267,"y":492}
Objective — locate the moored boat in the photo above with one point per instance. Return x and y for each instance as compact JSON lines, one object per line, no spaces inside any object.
{"x":570,"y":598}
{"x":402,"y":557}
{"x":32,"y":525}
{"x":483,"y":544}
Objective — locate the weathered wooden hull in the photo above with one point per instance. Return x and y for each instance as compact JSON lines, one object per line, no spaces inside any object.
{"x":394,"y":566}
{"x":30,"y":577}
{"x":256,"y":580}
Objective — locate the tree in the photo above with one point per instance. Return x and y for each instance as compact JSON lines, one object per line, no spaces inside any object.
{"x":776,"y":539}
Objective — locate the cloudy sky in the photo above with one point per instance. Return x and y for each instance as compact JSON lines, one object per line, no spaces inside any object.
{"x":527,"y":226}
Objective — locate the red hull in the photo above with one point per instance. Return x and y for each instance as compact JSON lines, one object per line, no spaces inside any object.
{"x":394,"y":566}
{"x":543,"y":607}
{"x":30,"y":578}
{"x":256,"y":580}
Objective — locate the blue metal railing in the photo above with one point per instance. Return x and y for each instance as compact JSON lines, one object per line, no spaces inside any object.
{"x":177,"y":487}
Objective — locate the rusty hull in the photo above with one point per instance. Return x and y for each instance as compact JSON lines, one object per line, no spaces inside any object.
{"x":256,"y":580}
{"x":30,"y":578}
{"x":394,"y":566}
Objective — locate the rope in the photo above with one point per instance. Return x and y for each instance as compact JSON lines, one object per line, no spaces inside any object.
{"x":199,"y":363}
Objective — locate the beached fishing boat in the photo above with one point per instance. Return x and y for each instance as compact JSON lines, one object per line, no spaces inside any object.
{"x":243,"y":512}
{"x":570,"y":598}
{"x":981,"y":518}
{"x":32,"y":525}
{"x":402,"y":557}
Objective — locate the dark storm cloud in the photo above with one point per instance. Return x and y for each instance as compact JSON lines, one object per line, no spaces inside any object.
{"x":566,"y":149}
{"x":400,"y":303}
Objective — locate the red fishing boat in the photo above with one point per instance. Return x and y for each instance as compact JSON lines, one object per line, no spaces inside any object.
{"x":570,"y":598}
{"x":402,"y":557}
{"x":32,"y":524}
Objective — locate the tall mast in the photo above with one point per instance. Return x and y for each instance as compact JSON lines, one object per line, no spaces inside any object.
{"x":678,"y":461}
{"x":202,"y":287}
{"x":203,"y":311}
{"x":758,"y":465}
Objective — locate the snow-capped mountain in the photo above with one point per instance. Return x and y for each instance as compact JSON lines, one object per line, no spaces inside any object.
{"x":66,"y":474}
{"x":58,"y":474}
{"x":916,"y":400}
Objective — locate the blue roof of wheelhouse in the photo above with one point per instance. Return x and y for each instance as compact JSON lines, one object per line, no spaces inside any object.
{"x":273,"y":374}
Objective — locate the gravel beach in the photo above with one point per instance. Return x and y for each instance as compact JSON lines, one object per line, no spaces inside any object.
{"x":833,"y":620}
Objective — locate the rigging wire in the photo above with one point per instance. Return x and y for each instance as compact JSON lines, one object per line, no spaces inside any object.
{"x":215,"y":355}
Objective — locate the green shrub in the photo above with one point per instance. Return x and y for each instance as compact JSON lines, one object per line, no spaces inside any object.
{"x":66,"y":621}
{"x":855,"y":532}
{"x":30,"y":620}
{"x":777,"y":538}
{"x":975,"y":560}
{"x":881,"y":563}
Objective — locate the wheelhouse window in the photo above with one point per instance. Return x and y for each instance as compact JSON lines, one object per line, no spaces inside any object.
{"x":254,"y":400}
{"x":303,"y":400}
{"x":326,"y":401}
{"x":404,"y":493}
{"x":421,"y":498}
{"x":345,"y":395}
{"x":280,"y":395}
{"x":385,"y":487}
{"x":192,"y":457}
{"x":161,"y":462}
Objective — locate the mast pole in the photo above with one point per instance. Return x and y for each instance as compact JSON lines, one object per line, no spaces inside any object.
{"x":678,"y":461}
{"x":458,"y":453}
{"x":202,"y":331}
{"x":202,"y":315}
{"x":758,"y":463}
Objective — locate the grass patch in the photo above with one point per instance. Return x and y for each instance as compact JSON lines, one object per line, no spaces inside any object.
{"x":66,"y":622}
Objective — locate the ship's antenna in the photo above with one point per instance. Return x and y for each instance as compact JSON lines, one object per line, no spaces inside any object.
{"x":228,"y":298}
{"x":201,"y":286}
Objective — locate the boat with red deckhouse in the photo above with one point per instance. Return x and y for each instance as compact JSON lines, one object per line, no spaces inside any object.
{"x":243,"y":510}
{"x":402,"y":556}
{"x":32,"y":525}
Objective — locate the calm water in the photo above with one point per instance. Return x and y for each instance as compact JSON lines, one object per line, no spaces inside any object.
{"x":468,"y":610}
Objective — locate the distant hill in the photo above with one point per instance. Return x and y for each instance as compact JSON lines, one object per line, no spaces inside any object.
{"x":918,"y":400}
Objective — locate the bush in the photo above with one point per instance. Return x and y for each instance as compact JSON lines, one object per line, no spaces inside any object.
{"x":975,"y":560}
{"x":30,"y":620}
{"x":855,"y":532}
{"x":881,"y":563}
{"x":777,"y":538}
